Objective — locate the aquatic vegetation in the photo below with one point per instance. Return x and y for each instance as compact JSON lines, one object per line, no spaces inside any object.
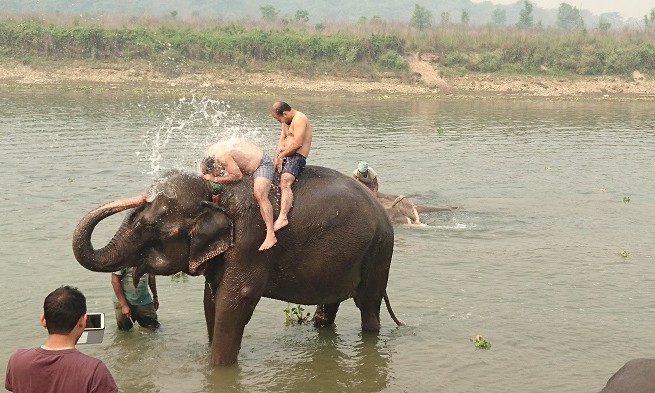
{"x":626,"y":199}
{"x":294,"y":315}
{"x":480,"y":342}
{"x":624,"y":253}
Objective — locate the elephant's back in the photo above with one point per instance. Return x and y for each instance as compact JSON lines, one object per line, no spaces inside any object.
{"x":326,"y":186}
{"x":337,"y":229}
{"x":331,"y":200}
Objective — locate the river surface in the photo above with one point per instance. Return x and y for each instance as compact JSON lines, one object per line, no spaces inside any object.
{"x":548,"y":257}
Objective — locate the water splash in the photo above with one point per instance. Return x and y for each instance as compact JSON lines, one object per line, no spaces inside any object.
{"x":189,"y":126}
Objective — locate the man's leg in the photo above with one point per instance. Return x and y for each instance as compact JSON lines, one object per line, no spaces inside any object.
{"x":261,"y":189}
{"x":286,"y":180}
{"x":122,"y":321}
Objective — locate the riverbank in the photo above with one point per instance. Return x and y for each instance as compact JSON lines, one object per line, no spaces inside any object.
{"x":97,"y":76}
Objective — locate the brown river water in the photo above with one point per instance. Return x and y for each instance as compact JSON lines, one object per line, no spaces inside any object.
{"x":549,"y":255}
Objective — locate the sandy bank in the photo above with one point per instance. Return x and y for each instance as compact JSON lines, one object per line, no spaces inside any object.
{"x":427,"y":82}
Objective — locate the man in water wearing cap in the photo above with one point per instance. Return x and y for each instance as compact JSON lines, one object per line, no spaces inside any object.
{"x":291,"y":153}
{"x":235,"y":156}
{"x":367,"y":176}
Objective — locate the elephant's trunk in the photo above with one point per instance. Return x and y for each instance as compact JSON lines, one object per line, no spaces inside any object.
{"x":111,"y":257}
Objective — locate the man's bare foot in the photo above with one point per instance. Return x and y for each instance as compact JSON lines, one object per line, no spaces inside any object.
{"x":281,"y":222}
{"x":268,"y":243}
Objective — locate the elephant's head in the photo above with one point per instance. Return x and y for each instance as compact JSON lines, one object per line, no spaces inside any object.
{"x":173,"y":228}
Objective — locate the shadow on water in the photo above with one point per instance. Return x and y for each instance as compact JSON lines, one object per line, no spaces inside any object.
{"x":322,"y":363}
{"x":128,"y":352}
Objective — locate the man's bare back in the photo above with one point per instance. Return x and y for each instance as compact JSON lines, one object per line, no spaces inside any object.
{"x":236,"y":155}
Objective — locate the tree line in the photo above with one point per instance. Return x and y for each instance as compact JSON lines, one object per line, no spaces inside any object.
{"x":315,"y":11}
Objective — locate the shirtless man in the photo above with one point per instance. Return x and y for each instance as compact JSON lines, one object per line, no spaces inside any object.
{"x":236,"y":157}
{"x":291,"y":153}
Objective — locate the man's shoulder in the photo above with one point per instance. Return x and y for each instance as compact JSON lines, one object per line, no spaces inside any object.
{"x":38,"y":352}
{"x":300,"y":117}
{"x":23,"y":352}
{"x":372,"y":172}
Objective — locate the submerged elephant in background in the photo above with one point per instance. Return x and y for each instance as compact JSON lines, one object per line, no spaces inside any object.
{"x":402,"y":211}
{"x":338,"y":245}
{"x":636,"y":376}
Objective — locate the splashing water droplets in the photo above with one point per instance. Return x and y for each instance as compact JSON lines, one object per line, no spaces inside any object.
{"x":188,"y":128}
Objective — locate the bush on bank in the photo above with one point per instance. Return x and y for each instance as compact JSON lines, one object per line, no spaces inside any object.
{"x":350,"y":50}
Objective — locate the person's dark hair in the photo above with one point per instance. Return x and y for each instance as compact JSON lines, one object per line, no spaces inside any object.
{"x":62,"y":308}
{"x":208,"y":164}
{"x":282,"y":107}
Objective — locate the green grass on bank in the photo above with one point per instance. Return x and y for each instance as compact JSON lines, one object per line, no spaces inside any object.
{"x":345,"y":50}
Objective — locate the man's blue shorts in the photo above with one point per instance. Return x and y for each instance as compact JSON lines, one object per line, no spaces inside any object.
{"x":294,"y":164}
{"x":265,"y":169}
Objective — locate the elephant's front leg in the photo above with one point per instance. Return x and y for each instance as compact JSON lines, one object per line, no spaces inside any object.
{"x":236,"y":299}
{"x":325,"y":314}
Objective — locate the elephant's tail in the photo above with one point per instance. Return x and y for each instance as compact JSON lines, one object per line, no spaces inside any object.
{"x":393,"y":316}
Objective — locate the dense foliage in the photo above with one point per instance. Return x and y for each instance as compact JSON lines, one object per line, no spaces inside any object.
{"x":351,"y":50}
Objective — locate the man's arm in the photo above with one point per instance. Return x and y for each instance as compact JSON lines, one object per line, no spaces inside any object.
{"x":298,"y":131}
{"x":118,"y":290}
{"x":102,"y":380}
{"x":152,"y":283}
{"x":280,"y":140}
{"x":277,"y":160}
{"x":375,"y":184}
{"x":232,"y":170}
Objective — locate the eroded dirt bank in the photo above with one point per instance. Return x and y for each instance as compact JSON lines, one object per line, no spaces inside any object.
{"x":141,"y":77}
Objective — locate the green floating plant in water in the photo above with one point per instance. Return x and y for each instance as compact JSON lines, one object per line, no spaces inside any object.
{"x":180,"y":276}
{"x":626,"y":199}
{"x":624,"y":253}
{"x":294,"y":315}
{"x":480,"y":342}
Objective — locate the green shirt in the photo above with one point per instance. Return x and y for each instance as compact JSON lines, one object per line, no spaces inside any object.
{"x":135,"y":296}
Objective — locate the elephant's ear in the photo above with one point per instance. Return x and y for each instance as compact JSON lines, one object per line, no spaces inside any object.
{"x":210,"y":235}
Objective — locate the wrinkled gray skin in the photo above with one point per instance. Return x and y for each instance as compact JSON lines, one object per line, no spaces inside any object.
{"x":636,"y":376}
{"x":402,"y":211}
{"x":338,"y":245}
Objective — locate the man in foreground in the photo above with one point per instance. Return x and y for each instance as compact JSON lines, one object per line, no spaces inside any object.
{"x":57,"y":366}
{"x":234,"y":157}
{"x":291,"y":153}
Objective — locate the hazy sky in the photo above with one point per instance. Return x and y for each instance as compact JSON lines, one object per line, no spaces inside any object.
{"x":627,"y":8}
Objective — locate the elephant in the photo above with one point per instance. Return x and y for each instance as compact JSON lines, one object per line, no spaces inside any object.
{"x":636,"y":376}
{"x":338,"y":245}
{"x":402,"y":211}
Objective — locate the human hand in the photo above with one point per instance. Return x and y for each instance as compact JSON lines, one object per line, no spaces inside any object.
{"x":125,"y":310}
{"x":278,"y":163}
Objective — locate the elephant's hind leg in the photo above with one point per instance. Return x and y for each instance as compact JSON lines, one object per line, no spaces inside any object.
{"x":325,"y":314}
{"x":369,"y":307}
{"x":372,"y":287}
